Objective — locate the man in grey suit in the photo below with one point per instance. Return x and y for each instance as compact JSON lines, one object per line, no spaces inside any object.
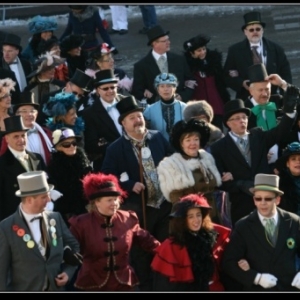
{"x":33,"y":240}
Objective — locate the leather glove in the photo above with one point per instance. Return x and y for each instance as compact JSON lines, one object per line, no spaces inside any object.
{"x":245,"y":185}
{"x":72,"y":258}
{"x":296,"y":281}
{"x":290,"y":99}
{"x":267,"y":281}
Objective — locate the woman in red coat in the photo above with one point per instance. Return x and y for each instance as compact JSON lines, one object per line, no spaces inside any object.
{"x":106,"y":235}
{"x":189,"y":259}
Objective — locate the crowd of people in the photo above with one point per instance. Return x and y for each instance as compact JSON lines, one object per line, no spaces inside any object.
{"x":159,"y":182}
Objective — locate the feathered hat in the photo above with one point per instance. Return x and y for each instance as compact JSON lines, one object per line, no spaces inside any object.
{"x":6,"y":85}
{"x":196,"y":42}
{"x":101,"y":185}
{"x":59,"y":135}
{"x":39,"y":24}
{"x":60,"y":104}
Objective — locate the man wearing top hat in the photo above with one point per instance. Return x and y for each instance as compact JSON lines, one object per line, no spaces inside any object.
{"x":244,"y":153}
{"x":15,"y":160}
{"x":101,"y":118}
{"x":264,"y":246}
{"x":240,"y":56}
{"x":11,"y":48}
{"x":33,"y":241}
{"x":160,"y":60}
{"x":133,"y":158}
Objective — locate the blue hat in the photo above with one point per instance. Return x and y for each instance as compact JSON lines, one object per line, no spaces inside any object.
{"x":39,"y":24}
{"x":165,"y":78}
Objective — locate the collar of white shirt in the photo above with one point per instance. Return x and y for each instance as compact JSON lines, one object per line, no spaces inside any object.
{"x":275,"y":217}
{"x":157,"y":56}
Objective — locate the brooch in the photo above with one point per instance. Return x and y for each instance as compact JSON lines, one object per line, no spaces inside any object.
{"x":53,"y":232}
{"x":290,"y":242}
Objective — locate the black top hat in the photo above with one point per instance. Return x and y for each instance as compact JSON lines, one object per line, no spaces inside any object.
{"x":196,"y":42}
{"x":253,"y":17}
{"x":257,"y":73}
{"x":13,"y":124}
{"x":104,"y":77}
{"x":12,"y":40}
{"x":127,"y":106}
{"x":155,"y":33}
{"x":82,"y":80}
{"x":233,"y":107}
{"x":26,"y":98}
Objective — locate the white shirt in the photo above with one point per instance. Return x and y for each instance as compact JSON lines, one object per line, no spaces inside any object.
{"x":263,"y":221}
{"x":113,"y":113}
{"x":157,"y":56}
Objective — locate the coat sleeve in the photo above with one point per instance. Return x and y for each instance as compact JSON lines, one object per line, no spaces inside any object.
{"x":5,"y":260}
{"x":139,"y":81}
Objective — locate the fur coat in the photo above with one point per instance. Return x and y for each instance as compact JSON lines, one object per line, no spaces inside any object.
{"x":176,"y":172}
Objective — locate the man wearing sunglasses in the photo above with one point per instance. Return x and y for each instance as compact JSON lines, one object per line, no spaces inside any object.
{"x":264,"y":246}
{"x":241,"y":56}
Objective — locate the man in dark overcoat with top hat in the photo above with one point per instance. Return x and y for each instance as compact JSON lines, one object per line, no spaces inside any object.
{"x":145,"y":70}
{"x":14,"y":161}
{"x":244,"y":152}
{"x":240,"y":57}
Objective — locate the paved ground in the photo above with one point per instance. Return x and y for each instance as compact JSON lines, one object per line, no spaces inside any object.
{"x":222,"y":23}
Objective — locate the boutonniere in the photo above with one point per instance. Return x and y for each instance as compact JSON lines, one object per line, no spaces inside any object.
{"x":290,"y":242}
{"x":52,"y":223}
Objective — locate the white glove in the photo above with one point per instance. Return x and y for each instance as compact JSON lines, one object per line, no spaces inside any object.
{"x":49,"y":206}
{"x":296,"y":281}
{"x":55,"y":194}
{"x":267,"y":281}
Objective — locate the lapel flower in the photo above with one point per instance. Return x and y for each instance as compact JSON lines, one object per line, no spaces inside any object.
{"x":290,"y":242}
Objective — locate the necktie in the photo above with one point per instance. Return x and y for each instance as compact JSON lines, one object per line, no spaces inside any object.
{"x":38,"y":217}
{"x":255,"y":56}
{"x":24,"y":161}
{"x":243,"y":143}
{"x":270,"y":228}
{"x":162,"y":64}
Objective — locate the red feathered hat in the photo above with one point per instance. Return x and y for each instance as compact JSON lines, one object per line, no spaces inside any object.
{"x":101,"y":185}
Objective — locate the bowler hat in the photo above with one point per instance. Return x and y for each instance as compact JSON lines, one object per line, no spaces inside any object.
{"x":266,"y":182}
{"x":233,"y":107}
{"x":26,"y":98}
{"x":257,"y":73}
{"x":291,"y":149}
{"x":252,"y":17}
{"x":14,"y":124}
{"x":33,"y":183}
{"x":196,"y":42}
{"x":59,"y":135}
{"x":12,"y":40}
{"x":127,"y":106}
{"x":82,"y":80}
{"x":154,"y":33}
{"x":104,"y":77}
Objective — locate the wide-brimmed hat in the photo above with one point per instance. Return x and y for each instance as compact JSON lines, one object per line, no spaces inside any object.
{"x":82,"y":80}
{"x":252,"y":17}
{"x":26,"y":98}
{"x":127,"y":106}
{"x":101,"y":185}
{"x":196,"y":108}
{"x":266,"y":182}
{"x":70,"y":42}
{"x":185,"y":203}
{"x":291,"y":149}
{"x":104,"y":77}
{"x":12,"y":40}
{"x":39,"y":24}
{"x":257,"y":73}
{"x":233,"y":107}
{"x":46,"y":62}
{"x":59,"y":135}
{"x":196,"y":42}
{"x":183,"y":127}
{"x":6,"y":86}
{"x":165,"y":78}
{"x":155,"y":32}
{"x":33,"y":183}
{"x":13,"y":124}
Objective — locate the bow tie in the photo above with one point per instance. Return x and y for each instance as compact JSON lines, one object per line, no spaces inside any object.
{"x":108,"y":108}
{"x":23,"y":157}
{"x":32,"y":130}
{"x":271,"y":106}
{"x":13,"y":63}
{"x":38,"y":217}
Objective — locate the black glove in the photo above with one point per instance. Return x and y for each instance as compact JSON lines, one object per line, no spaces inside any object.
{"x":290,"y":99}
{"x":245,"y":185}
{"x":71,"y":258}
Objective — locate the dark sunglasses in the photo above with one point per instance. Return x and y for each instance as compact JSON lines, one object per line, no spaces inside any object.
{"x":258,"y":29}
{"x":68,"y":144}
{"x":268,"y":199}
{"x":108,"y":88}
{"x":77,"y":94}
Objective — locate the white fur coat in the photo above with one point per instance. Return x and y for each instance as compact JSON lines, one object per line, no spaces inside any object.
{"x":175,"y":172}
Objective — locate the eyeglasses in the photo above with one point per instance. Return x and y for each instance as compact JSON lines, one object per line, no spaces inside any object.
{"x":27,"y":112}
{"x":68,"y":144}
{"x":108,"y":88}
{"x":267,"y":199}
{"x":5,"y":96}
{"x":258,"y":29}
{"x":244,"y":118}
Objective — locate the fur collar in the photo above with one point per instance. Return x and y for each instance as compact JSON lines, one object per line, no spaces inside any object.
{"x":175,"y":172}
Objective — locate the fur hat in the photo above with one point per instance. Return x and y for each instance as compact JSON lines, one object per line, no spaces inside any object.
{"x":190,"y":201}
{"x":100,"y":185}
{"x":59,"y":135}
{"x":252,"y":17}
{"x":6,"y":86}
{"x":39,"y":24}
{"x":266,"y":182}
{"x":60,"y":104}
{"x":165,"y":78}
{"x":196,"y":108}
{"x":196,"y":42}
{"x":192,"y":125}
{"x":70,"y":42}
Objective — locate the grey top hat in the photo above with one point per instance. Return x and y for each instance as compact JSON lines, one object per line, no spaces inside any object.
{"x":14,"y":124}
{"x":257,"y":73}
{"x":12,"y":40}
{"x":266,"y":182}
{"x":155,"y":32}
{"x":33,"y":183}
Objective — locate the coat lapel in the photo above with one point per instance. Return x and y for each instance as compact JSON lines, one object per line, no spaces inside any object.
{"x":34,"y":162}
